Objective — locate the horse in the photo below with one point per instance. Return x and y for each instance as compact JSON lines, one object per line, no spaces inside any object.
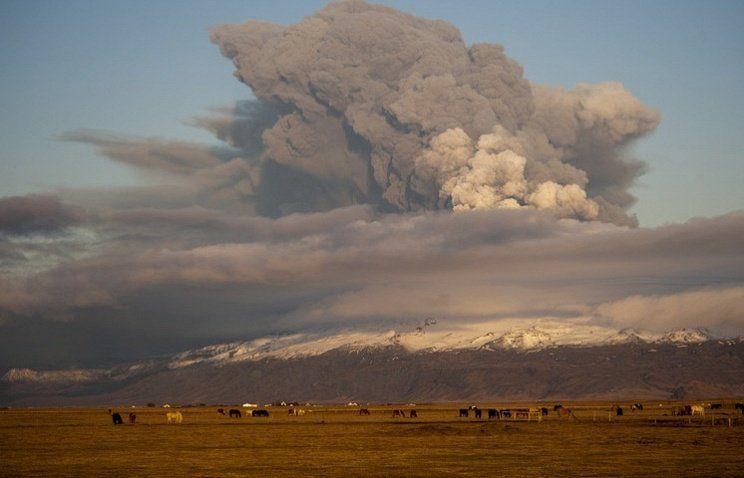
{"x":544,"y":411}
{"x":493,"y":413}
{"x":234,"y":412}
{"x":636,"y":406}
{"x":116,"y":418}
{"x":221,"y":411}
{"x":505,"y":413}
{"x":565,"y":411}
{"x":413,"y":414}
{"x":260,"y":413}
{"x":478,"y":413}
{"x":132,"y":418}
{"x":619,"y":411}
{"x":463,"y":412}
{"x":557,"y":406}
{"x":363,"y":411}
{"x":399,"y":413}
{"x":698,"y":410}
{"x":174,"y":417}
{"x":739,"y":406}
{"x":716,"y":406}
{"x":299,"y":411}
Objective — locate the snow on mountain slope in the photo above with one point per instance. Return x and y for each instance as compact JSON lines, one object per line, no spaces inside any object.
{"x":428,"y":337}
{"x":686,"y":336}
{"x":626,"y":336}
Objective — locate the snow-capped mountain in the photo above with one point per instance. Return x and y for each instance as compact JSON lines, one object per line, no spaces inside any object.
{"x":429,"y":337}
{"x":431,"y":361}
{"x":686,"y":336}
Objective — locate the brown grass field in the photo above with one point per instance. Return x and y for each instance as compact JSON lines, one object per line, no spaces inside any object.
{"x":336,"y":441}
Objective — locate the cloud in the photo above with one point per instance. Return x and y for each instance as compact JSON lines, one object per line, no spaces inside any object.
{"x":700,"y":307}
{"x":366,"y":91}
{"x":36,"y":214}
{"x":326,"y":261}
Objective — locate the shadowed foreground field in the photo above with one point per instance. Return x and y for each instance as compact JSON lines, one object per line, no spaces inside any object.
{"x":330,"y":441}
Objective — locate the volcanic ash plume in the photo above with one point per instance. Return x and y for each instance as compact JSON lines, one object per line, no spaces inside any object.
{"x":400,"y":111}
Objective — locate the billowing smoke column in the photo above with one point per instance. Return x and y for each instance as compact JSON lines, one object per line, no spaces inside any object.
{"x":399,"y":112}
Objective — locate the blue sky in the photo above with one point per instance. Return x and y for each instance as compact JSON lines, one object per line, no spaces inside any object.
{"x":145,"y":68}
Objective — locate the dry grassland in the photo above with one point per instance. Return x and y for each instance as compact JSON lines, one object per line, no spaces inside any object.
{"x":336,"y":441}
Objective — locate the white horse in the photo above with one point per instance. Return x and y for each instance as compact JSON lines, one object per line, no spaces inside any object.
{"x":698,"y":410}
{"x":174,"y":417}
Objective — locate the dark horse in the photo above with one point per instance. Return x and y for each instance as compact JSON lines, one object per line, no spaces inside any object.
{"x":739,"y":406}
{"x":478,"y":413}
{"x":363,"y":411}
{"x":234,"y":412}
{"x":399,"y":413}
{"x":260,"y":413}
{"x":413,"y":414}
{"x":116,"y":418}
{"x":463,"y":412}
{"x":221,"y":411}
{"x":493,"y":413}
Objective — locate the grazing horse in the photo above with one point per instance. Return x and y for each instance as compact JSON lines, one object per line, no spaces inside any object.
{"x":463,"y":412}
{"x":116,"y":418}
{"x":221,"y":411}
{"x":234,"y":412}
{"x":557,"y":406}
{"x":740,"y":407}
{"x":478,"y":413}
{"x":716,"y":406}
{"x":544,"y":411}
{"x":174,"y":417}
{"x":493,"y":413}
{"x":260,"y":413}
{"x":698,"y":410}
{"x":563,"y":411}
{"x":636,"y":406}
{"x":399,"y":413}
{"x":363,"y":411}
{"x":413,"y":414}
{"x":132,"y":418}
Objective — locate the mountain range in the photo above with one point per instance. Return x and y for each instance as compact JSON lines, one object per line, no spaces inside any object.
{"x":547,"y":360}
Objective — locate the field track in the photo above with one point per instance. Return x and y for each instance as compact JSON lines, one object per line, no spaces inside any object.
{"x":336,"y":441}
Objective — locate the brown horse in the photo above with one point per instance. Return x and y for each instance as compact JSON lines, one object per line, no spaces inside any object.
{"x":363,"y":411}
{"x":565,"y":412}
{"x":234,"y":412}
{"x":399,"y":413}
{"x":132,"y":418}
{"x":413,"y":414}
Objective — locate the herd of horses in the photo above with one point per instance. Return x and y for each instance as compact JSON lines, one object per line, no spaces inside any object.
{"x":235,"y":413}
{"x":477,"y":413}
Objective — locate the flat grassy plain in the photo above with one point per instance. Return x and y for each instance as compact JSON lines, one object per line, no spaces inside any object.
{"x":335,"y":441}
